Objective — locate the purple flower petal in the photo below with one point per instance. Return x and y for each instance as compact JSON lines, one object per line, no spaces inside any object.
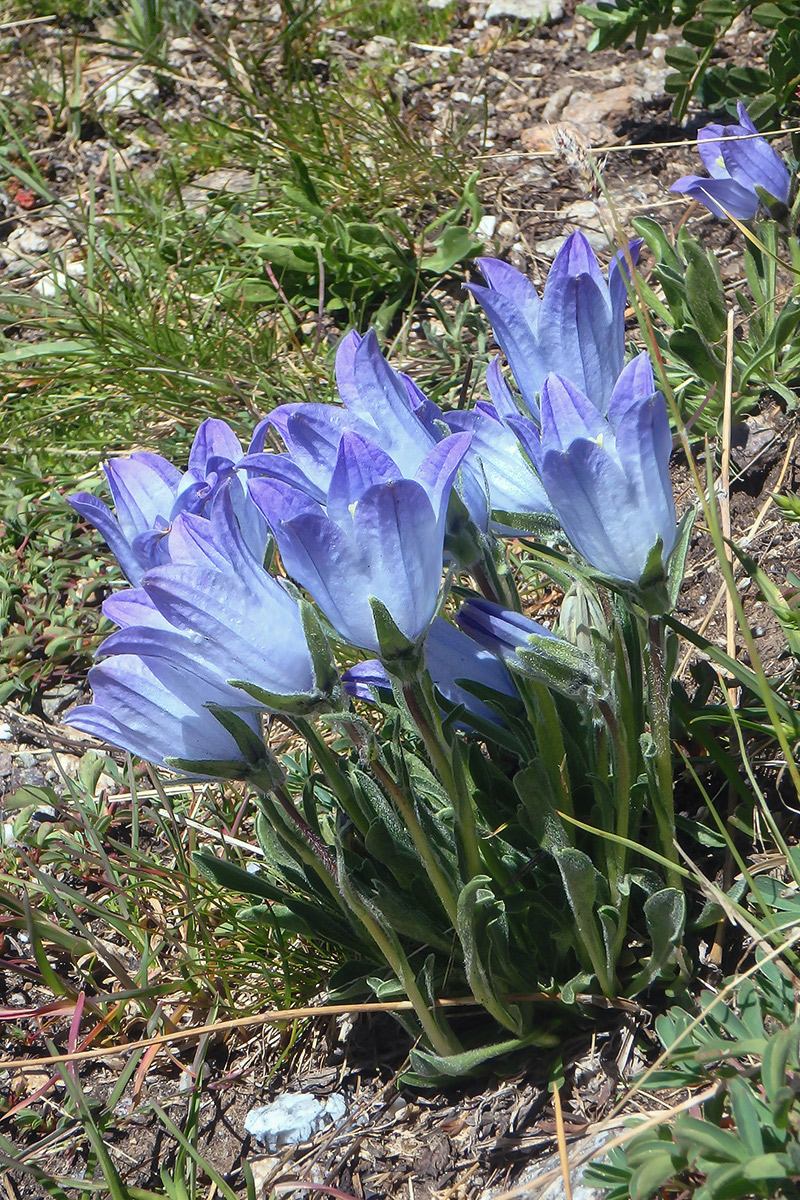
{"x":599,"y":508}
{"x":635,"y":384}
{"x":361,"y":680}
{"x":133,"y":607}
{"x":709,"y":147}
{"x":500,"y":392}
{"x":723,"y":197}
{"x":144,"y":487}
{"x":360,"y":465}
{"x":214,"y":439}
{"x":438,"y":470}
{"x":100,"y":515}
{"x":644,"y":446}
{"x":324,"y":560}
{"x":567,"y":414}
{"x":576,"y":322}
{"x":754,"y":163}
{"x":156,"y":712}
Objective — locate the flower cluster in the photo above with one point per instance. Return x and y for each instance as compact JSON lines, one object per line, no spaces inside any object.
{"x":372,"y":504}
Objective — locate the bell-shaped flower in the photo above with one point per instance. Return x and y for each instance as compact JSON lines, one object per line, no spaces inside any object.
{"x":379,"y":537}
{"x":608,"y":477}
{"x":380,"y":404}
{"x":528,"y":648}
{"x":454,"y":661}
{"x":513,"y":486}
{"x":217,"y":615}
{"x":158,"y":711}
{"x":739,"y":163}
{"x":576,"y":329}
{"x":149,"y":492}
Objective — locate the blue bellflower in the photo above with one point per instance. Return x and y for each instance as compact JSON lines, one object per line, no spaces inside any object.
{"x":193,"y":627}
{"x":738,"y":161}
{"x":512,"y":485}
{"x":158,"y":711}
{"x":607,"y":477}
{"x":149,"y":493}
{"x":502,"y":631}
{"x":452,"y":659}
{"x":379,"y":535}
{"x":576,"y":329}
{"x":381,"y":405}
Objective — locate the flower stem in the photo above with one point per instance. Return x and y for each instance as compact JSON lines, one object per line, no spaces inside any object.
{"x":425,"y":715}
{"x":663,"y":795}
{"x":405,"y":807}
{"x":441,"y":1038}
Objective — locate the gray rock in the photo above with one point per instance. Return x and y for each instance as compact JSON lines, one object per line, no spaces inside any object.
{"x":556,"y":1191}
{"x":124,"y":93}
{"x":543,"y":12}
{"x":31,"y":242}
{"x":293,"y":1119}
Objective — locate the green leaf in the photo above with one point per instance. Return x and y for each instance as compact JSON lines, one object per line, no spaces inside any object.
{"x":693,"y":1136}
{"x":659,"y":1167}
{"x":677,"y":561}
{"x":665,"y":915}
{"x":430,"y":1070}
{"x":768,"y":1166}
{"x":455,"y":245}
{"x":704,"y":290}
{"x":483,"y":932}
{"x":657,"y":240}
{"x":779,"y":1050}
{"x":687,"y":344}
{"x":748,"y":1114}
{"x":769,"y":16}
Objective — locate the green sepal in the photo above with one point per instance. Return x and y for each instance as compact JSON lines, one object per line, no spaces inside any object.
{"x":326,"y":675}
{"x":558,"y":664}
{"x":652,"y":589}
{"x":537,"y":525}
{"x":300,"y":705}
{"x":775,"y":207}
{"x":256,"y":761}
{"x":208,"y":768}
{"x":402,"y":658}
{"x":677,"y":560}
{"x":462,"y":539}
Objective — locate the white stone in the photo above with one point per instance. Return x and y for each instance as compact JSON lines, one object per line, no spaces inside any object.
{"x":292,"y":1119}
{"x":28,"y":241}
{"x":541,"y":11}
{"x":125,"y":92}
{"x":486,"y":226}
{"x":55,"y":281}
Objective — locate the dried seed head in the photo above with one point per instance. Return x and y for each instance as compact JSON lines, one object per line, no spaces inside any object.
{"x":577,"y":156}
